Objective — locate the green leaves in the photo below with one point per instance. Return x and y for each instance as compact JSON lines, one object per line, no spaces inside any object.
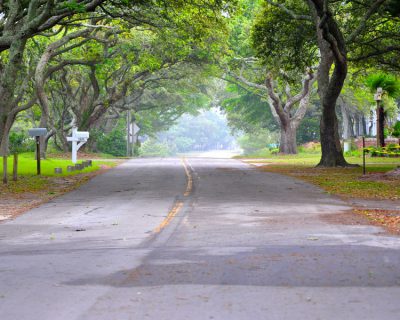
{"x":389,"y":83}
{"x":74,"y":6}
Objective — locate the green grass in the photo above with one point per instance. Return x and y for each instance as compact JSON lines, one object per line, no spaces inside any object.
{"x":309,"y":160}
{"x":347,"y":182}
{"x":27,"y":166}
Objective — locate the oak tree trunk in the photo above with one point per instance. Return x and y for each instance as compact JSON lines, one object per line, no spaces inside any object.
{"x":8,"y":85}
{"x":288,"y":143}
{"x":330,"y":83}
{"x":332,"y":153}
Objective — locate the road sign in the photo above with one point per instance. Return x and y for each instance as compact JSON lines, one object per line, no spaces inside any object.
{"x":136,"y":129}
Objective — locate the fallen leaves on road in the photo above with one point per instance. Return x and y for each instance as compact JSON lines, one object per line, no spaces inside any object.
{"x":389,"y":219}
{"x":346,"y":182}
{"x":31,"y":191}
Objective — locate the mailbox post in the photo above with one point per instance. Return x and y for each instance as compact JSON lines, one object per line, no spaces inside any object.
{"x":37,"y":133}
{"x":78,"y":139}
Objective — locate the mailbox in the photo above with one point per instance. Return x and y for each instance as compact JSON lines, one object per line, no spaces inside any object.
{"x":37,"y":132}
{"x":82,"y":135}
{"x":77,"y":136}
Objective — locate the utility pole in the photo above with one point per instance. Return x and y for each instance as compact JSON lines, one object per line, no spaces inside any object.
{"x":128,"y":134}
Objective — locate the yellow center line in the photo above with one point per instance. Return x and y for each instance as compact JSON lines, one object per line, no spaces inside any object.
{"x":178,"y":204}
{"x":189,"y":186}
{"x":174,"y":211}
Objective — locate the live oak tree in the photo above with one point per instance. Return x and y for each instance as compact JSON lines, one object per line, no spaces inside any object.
{"x":336,"y":27}
{"x":21,"y":21}
{"x":287,"y":109}
{"x":243,"y":69}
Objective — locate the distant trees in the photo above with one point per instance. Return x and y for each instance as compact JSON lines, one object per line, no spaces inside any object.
{"x":19,"y":22}
{"x":246,"y":71}
{"x":340,"y":32}
{"x":86,"y":62}
{"x":283,"y":106}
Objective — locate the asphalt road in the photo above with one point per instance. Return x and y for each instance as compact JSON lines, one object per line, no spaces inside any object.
{"x":195,"y":239}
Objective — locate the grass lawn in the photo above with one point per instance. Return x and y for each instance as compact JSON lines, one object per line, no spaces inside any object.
{"x":346,"y":182}
{"x":27,"y":166}
{"x":31,"y":190}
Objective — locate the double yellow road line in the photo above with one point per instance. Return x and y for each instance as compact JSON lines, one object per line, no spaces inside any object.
{"x":178,"y":204}
{"x":189,"y":178}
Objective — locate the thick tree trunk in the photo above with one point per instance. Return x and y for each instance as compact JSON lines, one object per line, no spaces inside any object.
{"x":330,"y":83}
{"x":4,"y":134}
{"x":363,"y":126}
{"x":288,"y":143}
{"x":282,"y":112}
{"x":356,"y":132}
{"x":63,"y":139}
{"x":332,"y":153}
{"x":380,"y":126}
{"x":8,"y":85}
{"x":346,"y":121}
{"x":43,"y":140}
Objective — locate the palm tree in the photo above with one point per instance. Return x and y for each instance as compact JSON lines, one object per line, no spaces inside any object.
{"x":382,"y":84}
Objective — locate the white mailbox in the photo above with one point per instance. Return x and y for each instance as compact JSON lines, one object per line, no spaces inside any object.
{"x":82,"y":135}
{"x":78,"y":139}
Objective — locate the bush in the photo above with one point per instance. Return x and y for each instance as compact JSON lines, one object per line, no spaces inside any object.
{"x":252,"y":143}
{"x":113,"y":143}
{"x":274,"y":151}
{"x":153,"y":148}
{"x":392,"y":150}
{"x":21,"y":142}
{"x":310,"y":147}
{"x":396,"y":130}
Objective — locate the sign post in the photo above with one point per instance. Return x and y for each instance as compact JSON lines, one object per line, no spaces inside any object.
{"x":363,"y":146}
{"x":37,"y":133}
{"x":78,"y":139}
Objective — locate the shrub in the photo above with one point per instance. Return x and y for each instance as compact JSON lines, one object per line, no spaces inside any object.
{"x":392,"y":150}
{"x":274,"y":151}
{"x":396,"y":130}
{"x":112,"y":143}
{"x":310,"y":147}
{"x":20,"y":142}
{"x":153,"y":148}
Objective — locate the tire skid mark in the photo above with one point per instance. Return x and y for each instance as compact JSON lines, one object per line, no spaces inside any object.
{"x":189,"y":178}
{"x":178,"y":203}
{"x":172,"y":213}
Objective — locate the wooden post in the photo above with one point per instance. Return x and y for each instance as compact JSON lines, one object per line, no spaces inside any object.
{"x":15,"y":167}
{"x":38,"y":155}
{"x":363,"y":144}
{"x":5,"y":177}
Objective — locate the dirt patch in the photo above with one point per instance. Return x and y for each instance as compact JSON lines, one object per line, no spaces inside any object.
{"x":389,"y":220}
{"x":389,"y":176}
{"x":81,"y":156}
{"x":345,"y":218}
